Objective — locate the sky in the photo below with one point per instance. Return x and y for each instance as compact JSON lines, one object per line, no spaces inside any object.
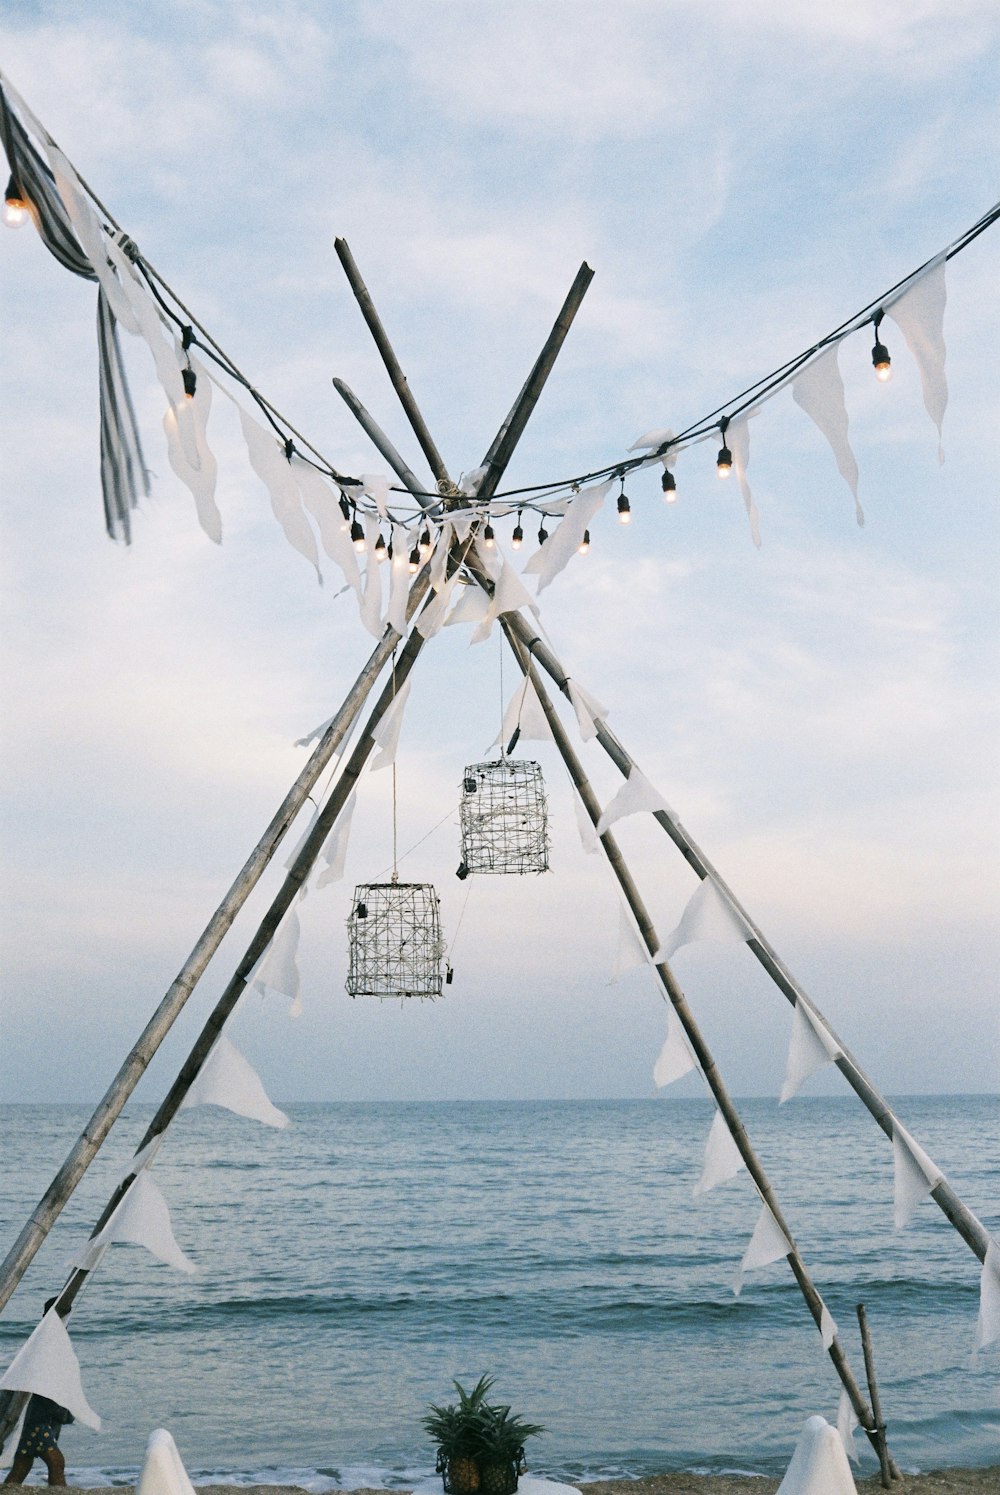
{"x":822,"y":712}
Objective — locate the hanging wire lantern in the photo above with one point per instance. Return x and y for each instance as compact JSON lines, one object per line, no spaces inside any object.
{"x":504,"y":818}
{"x":394,"y":941}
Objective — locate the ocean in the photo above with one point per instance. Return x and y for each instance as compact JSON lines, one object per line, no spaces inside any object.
{"x":351,"y":1266}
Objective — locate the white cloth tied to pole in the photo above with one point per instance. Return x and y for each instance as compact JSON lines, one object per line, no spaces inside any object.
{"x":722,"y":1157}
{"x":278,"y":968}
{"x":630,"y":951}
{"x":847,"y":1421}
{"x":268,"y":460}
{"x":509,"y":594}
{"x":588,"y":708}
{"x":335,"y":846}
{"x":819,"y":391}
{"x":370,"y":608}
{"x":918,"y":312}
{"x":988,"y":1327}
{"x":709,"y":915}
{"x":675,"y":1058}
{"x":914,"y":1174}
{"x":163,"y":1471}
{"x":399,"y":578}
{"x":46,"y":1364}
{"x":809,"y":1048}
{"x":738,"y":441}
{"x":768,"y":1243}
{"x":584,"y":824}
{"x":228,"y":1079}
{"x":827,"y":1327}
{"x":819,"y":1464}
{"x":472,"y":606}
{"x":334,"y":531}
{"x":635,"y":795}
{"x":561,"y":546}
{"x":141,"y":1218}
{"x":386,"y":734}
{"x":524,"y":710}
{"x":185,"y":424}
{"x":430,"y":619}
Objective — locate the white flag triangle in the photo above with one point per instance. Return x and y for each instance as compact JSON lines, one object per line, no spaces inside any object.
{"x":46,"y":1364}
{"x":675,"y":1058}
{"x":809,"y":1048}
{"x":709,"y":915}
{"x":140,"y":1219}
{"x":631,"y":952}
{"x":635,"y":795}
{"x":914,"y":1174}
{"x":988,"y":1327}
{"x":588,"y":708}
{"x":386,"y":734}
{"x":278,"y":969}
{"x":335,"y":846}
{"x":847,"y":1421}
{"x":768,"y":1243}
{"x":819,"y":391}
{"x":919,"y":315}
{"x":722,"y":1157}
{"x":228,"y":1079}
{"x":524,"y":712}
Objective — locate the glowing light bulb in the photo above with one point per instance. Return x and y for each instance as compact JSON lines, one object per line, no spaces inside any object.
{"x":624,"y":509}
{"x":425,"y":543}
{"x":414,"y":559}
{"x":517,"y":539}
{"x":489,"y":539}
{"x":190,"y":382}
{"x":882,"y":362}
{"x":380,"y":548}
{"x":669,"y":485}
{"x":724,"y":461}
{"x":358,"y":538}
{"x":15,"y":209}
{"x":584,"y":544}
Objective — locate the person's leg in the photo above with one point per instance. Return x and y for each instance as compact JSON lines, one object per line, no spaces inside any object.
{"x":55,"y":1464}
{"x":20,"y":1469}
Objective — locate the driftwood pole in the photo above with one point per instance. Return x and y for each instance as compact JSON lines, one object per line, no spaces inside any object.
{"x":869,"y":1354}
{"x":49,"y":1207}
{"x":676,"y":997}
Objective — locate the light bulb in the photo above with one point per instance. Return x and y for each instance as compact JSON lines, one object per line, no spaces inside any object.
{"x":15,"y":209}
{"x":380,"y":548}
{"x":543,"y":534}
{"x":724,"y":461}
{"x":669,"y":485}
{"x":414,"y":559}
{"x":584,"y":544}
{"x":345,"y":508}
{"x":624,"y":509}
{"x":517,"y":538}
{"x":358,"y":538}
{"x":489,"y":539}
{"x":425,"y":543}
{"x":189,"y":380}
{"x":882,"y":362}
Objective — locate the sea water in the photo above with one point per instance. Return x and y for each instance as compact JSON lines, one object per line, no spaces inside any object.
{"x":351,"y":1266}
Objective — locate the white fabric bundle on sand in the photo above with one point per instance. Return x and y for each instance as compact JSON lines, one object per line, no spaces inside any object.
{"x":819,"y":1464}
{"x":163,"y":1472}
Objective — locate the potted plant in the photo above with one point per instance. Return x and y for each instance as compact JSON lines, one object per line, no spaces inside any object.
{"x":480,"y":1446}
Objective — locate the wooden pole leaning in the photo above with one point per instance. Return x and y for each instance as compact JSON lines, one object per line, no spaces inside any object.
{"x":80,"y":1156}
{"x":675,"y":996}
{"x":869,"y":1354}
{"x":965,"y":1222}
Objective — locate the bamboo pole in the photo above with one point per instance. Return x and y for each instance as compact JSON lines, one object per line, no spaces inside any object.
{"x":80,"y":1156}
{"x":869,"y":1354}
{"x":382,"y":443}
{"x":676,"y":997}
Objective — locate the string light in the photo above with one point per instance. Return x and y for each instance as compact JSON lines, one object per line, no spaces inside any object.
{"x":624,"y":507}
{"x":543,"y":534}
{"x":724,"y":461}
{"x":517,"y":539}
{"x":345,"y":508}
{"x":669,"y":485}
{"x":414,"y":559}
{"x":584,"y":544}
{"x":381,"y":550}
{"x":425,"y":543}
{"x":358,"y":536}
{"x":489,"y":539}
{"x":880,"y":353}
{"x":15,"y":208}
{"x":190,"y":382}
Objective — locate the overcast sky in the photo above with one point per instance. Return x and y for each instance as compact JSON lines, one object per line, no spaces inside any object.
{"x":822,"y":712}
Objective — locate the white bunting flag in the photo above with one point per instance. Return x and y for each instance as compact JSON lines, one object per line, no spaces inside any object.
{"x":524,"y":711}
{"x":649,"y":440}
{"x":143,"y":1158}
{"x":819,"y":391}
{"x":827,"y":1327}
{"x":630,"y":952}
{"x":584,"y":824}
{"x":228,"y":1079}
{"x":561,"y":546}
{"x":268,"y":460}
{"x":988,"y":1327}
{"x":767,"y":1244}
{"x":709,"y":915}
{"x":847,"y":1421}
{"x":675,"y":1058}
{"x":104,"y":255}
{"x":370,"y":607}
{"x":588,"y":708}
{"x":399,"y":578}
{"x":919,"y":315}
{"x":386,"y":734}
{"x":915,"y":1174}
{"x":140,"y":1219}
{"x":809,"y":1048}
{"x":430,"y":619}
{"x":509,"y":594}
{"x":635,"y":795}
{"x":335,"y":847}
{"x":323,"y":504}
{"x":472,"y":606}
{"x":722,"y":1157}
{"x":278,"y":968}
{"x":439,"y":556}
{"x":46,"y":1365}
{"x":185,"y":424}
{"x":738,"y":441}
{"x":376,"y":485}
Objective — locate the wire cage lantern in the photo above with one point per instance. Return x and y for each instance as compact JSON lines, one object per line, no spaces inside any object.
{"x":504,"y":818}
{"x":395,"y":946}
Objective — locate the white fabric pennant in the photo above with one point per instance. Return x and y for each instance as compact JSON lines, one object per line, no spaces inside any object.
{"x":46,"y":1364}
{"x":524,"y":711}
{"x":675,"y":1058}
{"x":809,"y":1048}
{"x":431,"y":618}
{"x":588,"y":836}
{"x":185,"y":425}
{"x":819,"y":391}
{"x":439,"y":556}
{"x":268,"y":460}
{"x":163,"y":1473}
{"x":376,"y":485}
{"x":560,"y":548}
{"x":386,"y":734}
{"x":588,"y":708}
{"x":738,"y":441}
{"x":919,"y":315}
{"x":827,"y":1327}
{"x":709,"y":915}
{"x":97,"y":246}
{"x":228,"y":1079}
{"x":335,"y":849}
{"x":722,"y":1157}
{"x":144,"y":1158}
{"x":767,"y":1244}
{"x":471,"y":607}
{"x":323,"y":504}
{"x":635,"y":795}
{"x":630,"y":952}
{"x":140,"y":1219}
{"x":278,"y":968}
{"x":847,"y":1421}
{"x":988,"y":1326}
{"x":399,"y":578}
{"x":371,"y":598}
{"x":914,"y":1174}
{"x":651,"y":439}
{"x":509,"y":594}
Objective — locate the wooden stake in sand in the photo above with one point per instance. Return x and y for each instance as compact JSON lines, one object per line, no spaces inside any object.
{"x":881,"y":1448}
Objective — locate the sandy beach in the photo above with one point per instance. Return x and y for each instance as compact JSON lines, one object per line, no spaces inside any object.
{"x":939,"y":1482}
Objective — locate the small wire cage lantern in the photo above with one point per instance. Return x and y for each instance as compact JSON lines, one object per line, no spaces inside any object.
{"x":504,"y":818}
{"x":394,"y":941}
